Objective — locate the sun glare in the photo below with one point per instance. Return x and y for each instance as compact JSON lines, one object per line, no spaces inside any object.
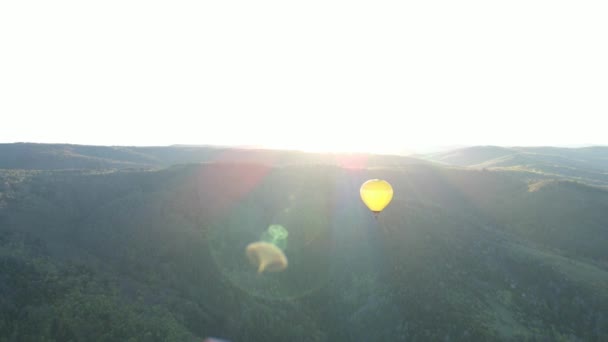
{"x":337,"y":138}
{"x":332,"y":146}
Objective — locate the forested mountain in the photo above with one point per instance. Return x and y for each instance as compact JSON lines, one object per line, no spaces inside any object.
{"x":113,"y":244}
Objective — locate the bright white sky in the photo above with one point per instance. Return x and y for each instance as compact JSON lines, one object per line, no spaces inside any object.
{"x":320,"y":75}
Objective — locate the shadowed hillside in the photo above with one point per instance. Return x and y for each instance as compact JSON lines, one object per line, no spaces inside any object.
{"x":158,"y":255}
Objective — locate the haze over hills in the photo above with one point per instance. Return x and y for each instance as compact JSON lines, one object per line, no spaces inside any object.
{"x":585,"y":164}
{"x":483,"y":243}
{"x":29,"y":156}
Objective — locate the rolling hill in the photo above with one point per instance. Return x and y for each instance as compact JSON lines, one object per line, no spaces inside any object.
{"x":108,"y":251}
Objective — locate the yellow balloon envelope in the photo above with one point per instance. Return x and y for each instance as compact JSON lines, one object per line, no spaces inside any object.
{"x":376,"y":194}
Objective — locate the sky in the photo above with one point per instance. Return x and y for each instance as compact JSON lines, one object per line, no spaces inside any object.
{"x":379,"y":76}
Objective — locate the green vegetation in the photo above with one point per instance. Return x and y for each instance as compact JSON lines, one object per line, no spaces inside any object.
{"x":158,"y":255}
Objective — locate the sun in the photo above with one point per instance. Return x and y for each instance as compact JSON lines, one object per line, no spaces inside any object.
{"x":332,"y":135}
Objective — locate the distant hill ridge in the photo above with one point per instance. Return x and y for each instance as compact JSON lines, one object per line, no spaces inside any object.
{"x":587,"y":164}
{"x":30,"y":156}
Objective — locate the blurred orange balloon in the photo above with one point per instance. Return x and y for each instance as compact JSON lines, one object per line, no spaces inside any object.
{"x":266,"y":257}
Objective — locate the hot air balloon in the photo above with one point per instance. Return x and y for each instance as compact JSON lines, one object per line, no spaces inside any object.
{"x":266,"y":257}
{"x":376,"y":194}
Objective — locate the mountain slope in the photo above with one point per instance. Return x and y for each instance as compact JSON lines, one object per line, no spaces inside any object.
{"x":159,"y":255}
